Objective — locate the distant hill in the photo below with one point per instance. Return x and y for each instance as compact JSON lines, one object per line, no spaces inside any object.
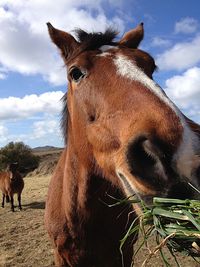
{"x":46,"y":148}
{"x":49,"y":156}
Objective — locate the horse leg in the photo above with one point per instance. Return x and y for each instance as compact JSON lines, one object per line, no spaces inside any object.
{"x":7,"y":199}
{"x":12,"y":203}
{"x":3,"y":200}
{"x":19,"y":201}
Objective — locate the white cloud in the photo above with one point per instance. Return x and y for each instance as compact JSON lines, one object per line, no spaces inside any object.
{"x":186,"y":25}
{"x":158,"y":41}
{"x":184,"y":90}
{"x":181,"y":56}
{"x":24,"y":42}
{"x":38,"y":133}
{"x":3,"y":133}
{"x":30,"y":105}
{"x":46,"y":127}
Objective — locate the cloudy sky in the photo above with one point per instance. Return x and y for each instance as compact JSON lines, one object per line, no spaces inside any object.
{"x":32,"y":76}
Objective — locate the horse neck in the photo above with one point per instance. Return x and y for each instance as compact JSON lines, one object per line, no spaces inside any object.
{"x":90,"y":224}
{"x":84,"y":191}
{"x":15,"y":176}
{"x":76,"y":179}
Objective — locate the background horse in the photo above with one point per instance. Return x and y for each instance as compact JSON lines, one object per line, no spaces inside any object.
{"x":123,"y":136}
{"x":11,"y":182}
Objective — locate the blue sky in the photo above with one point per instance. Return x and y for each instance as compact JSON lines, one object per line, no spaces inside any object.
{"x":32,"y":76}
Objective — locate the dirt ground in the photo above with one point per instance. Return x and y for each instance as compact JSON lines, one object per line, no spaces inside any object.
{"x":24,"y":241}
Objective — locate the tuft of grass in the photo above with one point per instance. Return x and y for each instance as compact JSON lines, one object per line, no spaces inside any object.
{"x":176,"y":224}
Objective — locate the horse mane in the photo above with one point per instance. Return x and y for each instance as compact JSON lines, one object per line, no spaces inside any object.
{"x":193,"y":125}
{"x":94,"y":40}
{"x":64,"y":117}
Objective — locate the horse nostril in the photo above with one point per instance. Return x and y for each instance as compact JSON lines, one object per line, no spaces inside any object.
{"x":91,"y":118}
{"x":145,"y":161}
{"x":140,"y":163}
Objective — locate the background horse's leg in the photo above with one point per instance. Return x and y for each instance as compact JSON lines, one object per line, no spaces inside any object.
{"x":12,"y":203}
{"x":7,"y":199}
{"x":3,"y":199}
{"x":19,"y":200}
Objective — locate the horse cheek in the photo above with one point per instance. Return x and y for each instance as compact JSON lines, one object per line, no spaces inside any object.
{"x":101,"y":139}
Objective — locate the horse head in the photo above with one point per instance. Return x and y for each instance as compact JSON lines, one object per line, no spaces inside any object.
{"x":120,"y":122}
{"x":12,"y":168}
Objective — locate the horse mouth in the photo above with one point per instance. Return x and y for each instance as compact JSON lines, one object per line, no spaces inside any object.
{"x":130,"y":189}
{"x":182,"y":189}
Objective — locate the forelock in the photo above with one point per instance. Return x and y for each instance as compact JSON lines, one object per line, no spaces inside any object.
{"x":94,"y":40}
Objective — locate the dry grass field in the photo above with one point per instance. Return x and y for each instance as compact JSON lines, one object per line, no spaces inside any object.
{"x":24,"y":241}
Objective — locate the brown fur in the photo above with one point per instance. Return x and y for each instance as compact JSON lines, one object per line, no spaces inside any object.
{"x":10,"y":184}
{"x":120,"y":140}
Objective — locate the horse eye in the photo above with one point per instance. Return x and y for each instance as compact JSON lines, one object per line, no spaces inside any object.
{"x":76,"y":74}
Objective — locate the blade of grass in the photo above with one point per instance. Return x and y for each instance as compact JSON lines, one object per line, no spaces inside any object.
{"x":167,"y":264}
{"x":169,"y":214}
{"x":130,"y":231}
{"x":192,"y":219}
{"x":157,"y":201}
{"x":193,"y":187}
{"x":174,"y":256}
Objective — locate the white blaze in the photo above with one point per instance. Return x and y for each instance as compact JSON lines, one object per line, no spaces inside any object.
{"x":126,"y":68}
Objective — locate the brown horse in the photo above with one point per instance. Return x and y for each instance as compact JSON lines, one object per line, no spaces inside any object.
{"x":11,"y":182}
{"x":123,"y":137}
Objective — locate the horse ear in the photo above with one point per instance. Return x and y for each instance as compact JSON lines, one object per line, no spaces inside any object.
{"x":63,"y":40}
{"x":133,"y":37}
